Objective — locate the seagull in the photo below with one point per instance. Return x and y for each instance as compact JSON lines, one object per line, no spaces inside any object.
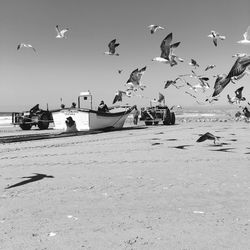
{"x":171,"y":82}
{"x":211,"y":66}
{"x":240,"y":65}
{"x":246,"y":36}
{"x":25,"y":45}
{"x":112,"y":45}
{"x":238,"y":94}
{"x":61,"y":33}
{"x":119,"y":94}
{"x":231,"y":100}
{"x":194,"y":63}
{"x":161,"y":98}
{"x":135,"y":77}
{"x":215,"y":37}
{"x":167,"y":51}
{"x":208,"y":136}
{"x":190,"y":94}
{"x":153,"y":28}
{"x":239,"y":55}
{"x":119,"y":71}
{"x":220,"y":83}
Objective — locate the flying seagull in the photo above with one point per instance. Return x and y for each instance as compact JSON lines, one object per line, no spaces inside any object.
{"x":208,"y":136}
{"x":239,"y":55}
{"x":238,"y":94}
{"x":240,"y":65}
{"x":112,"y":45}
{"x":25,"y":45}
{"x":220,"y":83}
{"x":167,"y":51}
{"x":246,"y":36}
{"x":171,"y":82}
{"x":153,"y":28}
{"x":61,"y":32}
{"x":211,"y":66}
{"x":119,"y":71}
{"x":135,"y":78}
{"x":194,"y":63}
{"x":215,"y":36}
{"x":119,"y":94}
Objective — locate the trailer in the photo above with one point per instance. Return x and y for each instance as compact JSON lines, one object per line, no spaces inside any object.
{"x":34,"y":117}
{"x":153,"y":115}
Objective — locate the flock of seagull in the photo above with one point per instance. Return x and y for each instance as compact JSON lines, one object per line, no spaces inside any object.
{"x":239,"y":69}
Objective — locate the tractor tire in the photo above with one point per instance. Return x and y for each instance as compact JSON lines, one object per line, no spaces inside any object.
{"x":167,"y":117}
{"x":43,"y":122}
{"x":148,"y":123}
{"x":25,"y":126}
{"x":172,"y":114}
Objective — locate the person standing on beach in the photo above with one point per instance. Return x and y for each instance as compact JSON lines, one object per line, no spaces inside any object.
{"x":136,"y":115}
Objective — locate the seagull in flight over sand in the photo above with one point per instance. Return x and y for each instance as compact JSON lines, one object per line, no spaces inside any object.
{"x":211,"y":66}
{"x":119,"y":94}
{"x":220,"y":83}
{"x":25,"y":45}
{"x":135,"y":78}
{"x":153,"y":28}
{"x":215,"y":36}
{"x":238,"y":94}
{"x":246,"y":36}
{"x":208,"y":136}
{"x":171,"y":82}
{"x":112,"y":46}
{"x":61,"y":32}
{"x":167,"y":51}
{"x":194,"y":63}
{"x":239,"y":67}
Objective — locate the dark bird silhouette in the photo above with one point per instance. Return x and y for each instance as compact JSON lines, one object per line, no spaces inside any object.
{"x":238,"y":94}
{"x":208,"y":136}
{"x":194,"y":63}
{"x":112,"y":46}
{"x":171,"y":82}
{"x":36,"y":177}
{"x":220,"y":83}
{"x":182,"y":146}
{"x":239,"y":66}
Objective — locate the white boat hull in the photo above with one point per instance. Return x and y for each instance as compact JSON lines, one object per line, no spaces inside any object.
{"x":87,"y":119}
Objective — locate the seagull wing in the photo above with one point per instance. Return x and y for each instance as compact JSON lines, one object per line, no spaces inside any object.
{"x":239,"y":66}
{"x":165,"y":46}
{"x":238,"y":92}
{"x":58,"y":30}
{"x":215,"y":41}
{"x":202,"y":138}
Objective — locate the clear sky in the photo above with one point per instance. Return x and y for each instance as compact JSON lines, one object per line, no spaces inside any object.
{"x":62,"y":68}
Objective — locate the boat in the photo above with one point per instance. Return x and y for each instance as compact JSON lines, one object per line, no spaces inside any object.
{"x":82,"y":118}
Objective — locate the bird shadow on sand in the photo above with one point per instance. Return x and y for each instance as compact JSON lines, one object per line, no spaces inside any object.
{"x":228,"y":150}
{"x":219,"y":144}
{"x":171,"y":139}
{"x":181,"y":146}
{"x":156,"y":143}
{"x":35,"y":177}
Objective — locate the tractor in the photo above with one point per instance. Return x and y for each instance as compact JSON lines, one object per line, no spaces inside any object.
{"x":153,"y":115}
{"x":35,"y":116}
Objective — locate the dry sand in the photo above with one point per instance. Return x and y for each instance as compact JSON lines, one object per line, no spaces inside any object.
{"x":129,"y":189}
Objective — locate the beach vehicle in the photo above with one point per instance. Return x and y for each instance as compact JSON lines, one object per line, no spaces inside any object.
{"x":154,"y":114}
{"x":85,"y":118}
{"x":34,"y":117}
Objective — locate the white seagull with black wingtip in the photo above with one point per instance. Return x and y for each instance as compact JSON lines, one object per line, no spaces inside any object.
{"x":153,"y":28}
{"x":25,"y":45}
{"x":215,"y":36}
{"x":61,"y":32}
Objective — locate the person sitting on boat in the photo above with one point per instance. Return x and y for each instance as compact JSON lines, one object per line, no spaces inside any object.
{"x":73,"y":105}
{"x":103,"y":107}
{"x":71,"y":124}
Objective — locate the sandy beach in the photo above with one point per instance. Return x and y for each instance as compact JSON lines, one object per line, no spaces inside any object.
{"x":130,"y":189}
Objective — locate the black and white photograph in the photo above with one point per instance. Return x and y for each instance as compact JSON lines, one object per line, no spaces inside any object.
{"x":124,"y":125}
